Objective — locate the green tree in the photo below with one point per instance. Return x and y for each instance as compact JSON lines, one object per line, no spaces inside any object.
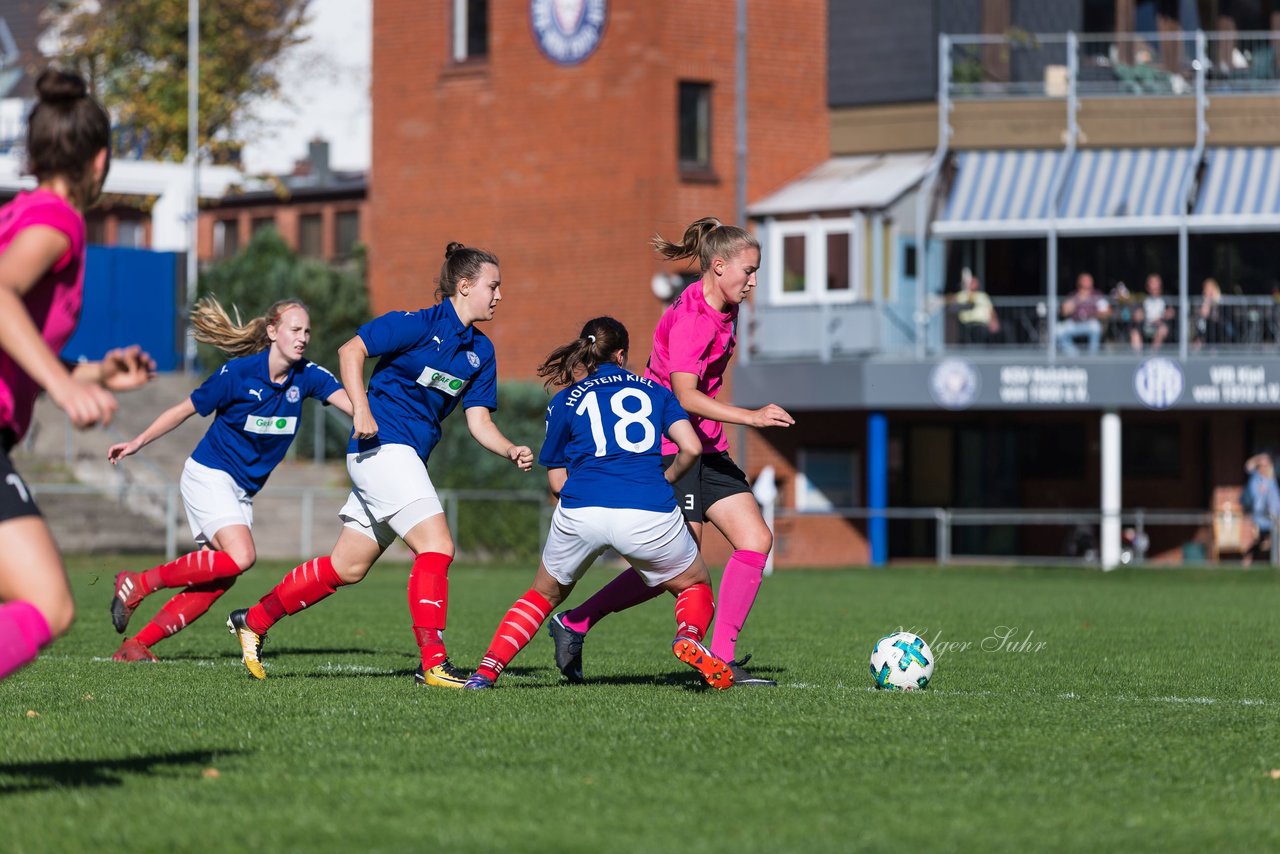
{"x":134,"y":55}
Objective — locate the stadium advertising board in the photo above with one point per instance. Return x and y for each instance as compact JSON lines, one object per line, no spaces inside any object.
{"x":958,"y":384}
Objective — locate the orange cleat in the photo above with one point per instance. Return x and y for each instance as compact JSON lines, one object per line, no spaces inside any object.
{"x":697,"y":656}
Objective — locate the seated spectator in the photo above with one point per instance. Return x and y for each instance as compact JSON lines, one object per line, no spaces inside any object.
{"x":978,"y":320}
{"x":1083,"y":313}
{"x":1212,"y":325}
{"x":1262,"y":497}
{"x":1151,"y":320}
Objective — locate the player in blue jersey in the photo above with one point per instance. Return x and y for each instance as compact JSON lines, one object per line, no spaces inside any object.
{"x":430,"y":362}
{"x":603,"y":454}
{"x":256,"y":400}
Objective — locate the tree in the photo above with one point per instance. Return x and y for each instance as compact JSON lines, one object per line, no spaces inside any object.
{"x":134,"y":55}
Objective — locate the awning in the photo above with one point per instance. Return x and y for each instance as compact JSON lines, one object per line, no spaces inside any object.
{"x":859,"y":182}
{"x":1105,"y":191}
{"x":1240,"y":191}
{"x":999,"y":193}
{"x":1125,"y":191}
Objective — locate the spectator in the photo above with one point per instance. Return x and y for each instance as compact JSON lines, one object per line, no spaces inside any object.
{"x":1212,"y":325}
{"x":1261,"y":499}
{"x":1083,"y":313}
{"x":1151,"y":320}
{"x":977,"y":315}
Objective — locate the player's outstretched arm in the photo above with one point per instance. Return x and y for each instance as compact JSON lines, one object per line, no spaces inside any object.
{"x":121,"y":369}
{"x":351,"y":359}
{"x":342,"y":400}
{"x":695,"y":402}
{"x":165,"y":422}
{"x":683,"y":434}
{"x":487,"y":434}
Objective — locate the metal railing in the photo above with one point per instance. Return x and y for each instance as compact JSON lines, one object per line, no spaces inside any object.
{"x":1022,"y":64}
{"x":293,"y":521}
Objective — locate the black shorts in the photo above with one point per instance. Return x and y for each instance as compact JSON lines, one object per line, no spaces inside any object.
{"x":15,"y":498}
{"x":712,"y":477}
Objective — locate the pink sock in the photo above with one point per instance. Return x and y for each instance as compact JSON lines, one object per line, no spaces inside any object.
{"x":626,"y":590}
{"x":23,"y":630}
{"x":738,"y":590}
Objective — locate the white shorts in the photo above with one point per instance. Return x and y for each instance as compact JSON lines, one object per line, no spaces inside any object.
{"x":213,"y":501}
{"x":658,"y":545}
{"x":390,"y":493}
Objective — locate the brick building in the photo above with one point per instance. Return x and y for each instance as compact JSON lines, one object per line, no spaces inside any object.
{"x":566,"y":170}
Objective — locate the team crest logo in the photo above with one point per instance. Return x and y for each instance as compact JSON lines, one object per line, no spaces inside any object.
{"x":472,"y":359}
{"x":293,"y":395}
{"x":568,"y":31}
{"x":1158,"y":382}
{"x":954,"y":384}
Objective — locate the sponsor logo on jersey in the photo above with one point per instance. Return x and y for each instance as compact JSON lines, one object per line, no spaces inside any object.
{"x":256,"y":392}
{"x":447,"y":383}
{"x":568,"y":31}
{"x":293,"y":395}
{"x":271,"y":425}
{"x":472,"y":359}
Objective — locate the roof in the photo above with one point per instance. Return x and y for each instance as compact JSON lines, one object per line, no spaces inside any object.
{"x":852,"y":182}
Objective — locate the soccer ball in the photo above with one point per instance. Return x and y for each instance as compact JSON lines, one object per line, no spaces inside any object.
{"x":901,"y":662}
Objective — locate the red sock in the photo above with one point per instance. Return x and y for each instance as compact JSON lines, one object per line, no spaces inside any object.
{"x":516,"y":629}
{"x":429,"y":605}
{"x":191,"y":569}
{"x":183,"y":610}
{"x":303,"y":587}
{"x":694,"y":608}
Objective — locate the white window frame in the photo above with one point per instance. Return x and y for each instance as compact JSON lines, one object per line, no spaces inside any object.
{"x":805,"y":491}
{"x":815,"y":231}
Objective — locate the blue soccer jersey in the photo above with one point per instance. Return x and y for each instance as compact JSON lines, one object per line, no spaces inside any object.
{"x":607,"y":431}
{"x":256,"y":418}
{"x":429,"y":364}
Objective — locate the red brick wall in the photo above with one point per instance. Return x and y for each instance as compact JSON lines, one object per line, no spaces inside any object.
{"x":566,"y":172}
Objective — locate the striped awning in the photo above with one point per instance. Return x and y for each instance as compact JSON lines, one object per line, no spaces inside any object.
{"x":1125,"y":191}
{"x":999,"y":193}
{"x":1240,"y":191}
{"x":1104,"y":191}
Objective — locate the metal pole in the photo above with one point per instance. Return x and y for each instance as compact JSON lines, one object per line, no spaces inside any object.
{"x":1055,"y":191}
{"x":308,"y":521}
{"x":924,"y":203}
{"x":1110,"y":489}
{"x":170,"y":522}
{"x":317,"y":432}
{"x":1185,"y":196}
{"x":740,"y":95}
{"x":193,"y":160}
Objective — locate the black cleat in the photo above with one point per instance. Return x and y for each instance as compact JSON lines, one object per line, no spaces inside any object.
{"x":743,"y":678}
{"x":568,"y":648}
{"x":250,"y":643}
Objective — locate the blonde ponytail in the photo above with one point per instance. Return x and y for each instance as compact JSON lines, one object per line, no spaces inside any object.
{"x":706,"y":239}
{"x":213,"y":326}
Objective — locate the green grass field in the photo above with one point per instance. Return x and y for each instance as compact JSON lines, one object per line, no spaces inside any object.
{"x":1137,"y":710}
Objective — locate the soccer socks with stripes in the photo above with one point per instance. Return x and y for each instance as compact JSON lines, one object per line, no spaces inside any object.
{"x":303,"y":587}
{"x":183,"y":610}
{"x":23,"y":631}
{"x":694,"y":608}
{"x":429,"y":605}
{"x":625,"y":591}
{"x":516,"y":629}
{"x":189,"y":570}
{"x":738,"y":590}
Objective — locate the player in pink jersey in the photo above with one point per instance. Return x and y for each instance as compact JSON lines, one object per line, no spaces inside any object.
{"x":41,"y":290}
{"x":691,"y":350}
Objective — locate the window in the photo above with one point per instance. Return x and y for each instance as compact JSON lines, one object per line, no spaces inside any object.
{"x":131,"y":233}
{"x":226,"y":238}
{"x":813,"y":260}
{"x":310,"y":235}
{"x":1151,"y":450}
{"x":470,"y":29}
{"x":694,"y":127}
{"x":261,"y":223}
{"x":827,"y":479}
{"x":346,"y":233}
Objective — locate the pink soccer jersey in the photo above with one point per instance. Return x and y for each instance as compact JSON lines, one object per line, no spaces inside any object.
{"x":54,"y":302}
{"x":694,"y":338}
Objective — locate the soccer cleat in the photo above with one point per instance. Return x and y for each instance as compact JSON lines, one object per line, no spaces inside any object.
{"x":443,"y":675}
{"x":568,"y":647}
{"x":741,"y":676}
{"x":250,"y":643}
{"x":128,"y":597}
{"x":716,"y":672}
{"x":131,"y":650}
{"x":476,"y":682}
